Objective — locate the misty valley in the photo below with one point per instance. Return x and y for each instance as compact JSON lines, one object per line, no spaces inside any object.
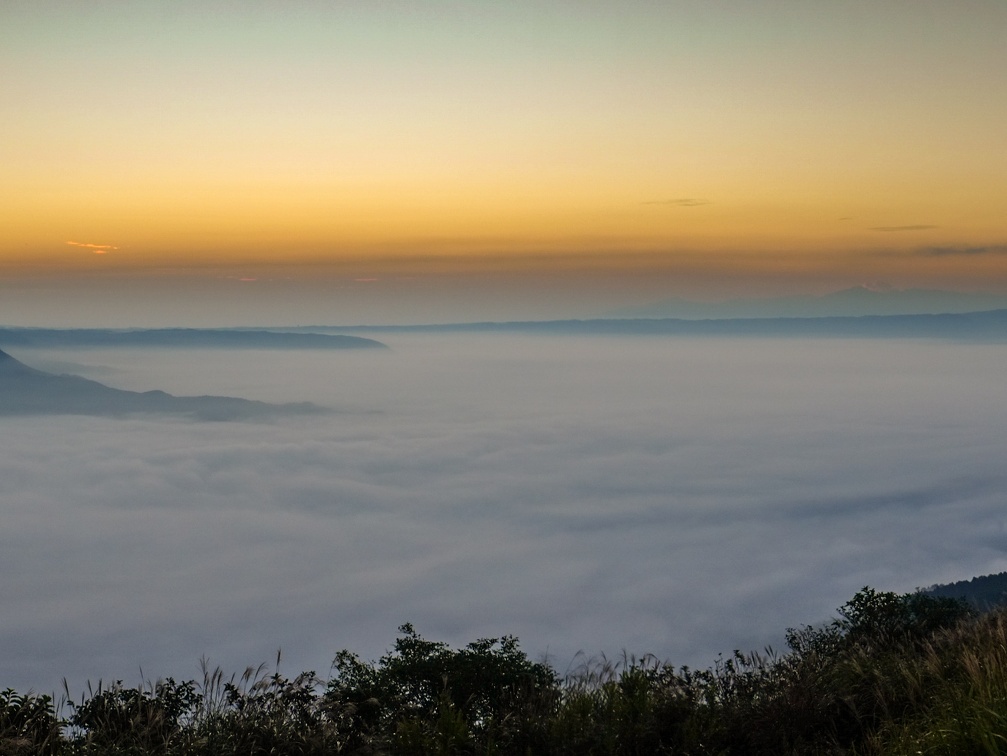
{"x":585,"y":493}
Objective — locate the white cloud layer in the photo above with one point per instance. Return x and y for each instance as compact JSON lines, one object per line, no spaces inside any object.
{"x":676,"y":496}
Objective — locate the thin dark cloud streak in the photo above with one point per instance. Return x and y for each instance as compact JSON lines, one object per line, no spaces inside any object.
{"x":680,"y":202}
{"x":896,"y":229}
{"x":965,"y":251}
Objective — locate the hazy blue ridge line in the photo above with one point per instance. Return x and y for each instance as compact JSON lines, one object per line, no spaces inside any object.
{"x":27,"y":391}
{"x":852,"y":302}
{"x":985,"y":325}
{"x":983,"y":592}
{"x":181,"y":337}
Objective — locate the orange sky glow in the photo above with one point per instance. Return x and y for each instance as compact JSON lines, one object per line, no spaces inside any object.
{"x":484,"y":153}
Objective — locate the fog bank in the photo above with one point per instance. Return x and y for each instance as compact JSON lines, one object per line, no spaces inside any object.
{"x":677,"y":496}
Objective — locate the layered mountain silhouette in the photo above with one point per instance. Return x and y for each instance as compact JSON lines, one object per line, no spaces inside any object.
{"x":984,"y":592}
{"x":986,"y":326}
{"x":852,"y":302}
{"x":27,"y":391}
{"x":216,"y":338}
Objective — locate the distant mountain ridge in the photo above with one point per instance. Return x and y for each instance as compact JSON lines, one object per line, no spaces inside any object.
{"x":182,"y":337}
{"x":983,"y":593}
{"x":973,"y":325}
{"x":986,"y":326}
{"x":853,"y":302}
{"x":27,"y":391}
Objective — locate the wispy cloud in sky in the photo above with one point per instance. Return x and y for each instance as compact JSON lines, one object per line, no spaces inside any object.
{"x":680,"y":202}
{"x":993,"y":249}
{"x":917,"y":227}
{"x":98,"y":249}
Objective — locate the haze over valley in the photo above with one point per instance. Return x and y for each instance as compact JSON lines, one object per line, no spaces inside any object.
{"x":585,"y":493}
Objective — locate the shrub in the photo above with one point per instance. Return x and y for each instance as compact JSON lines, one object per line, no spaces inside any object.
{"x":28,"y":724}
{"x":487,"y":695}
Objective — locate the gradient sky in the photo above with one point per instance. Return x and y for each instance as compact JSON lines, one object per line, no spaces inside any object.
{"x":225,"y":162}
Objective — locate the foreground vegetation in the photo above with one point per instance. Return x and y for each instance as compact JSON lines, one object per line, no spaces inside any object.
{"x":893,"y":674}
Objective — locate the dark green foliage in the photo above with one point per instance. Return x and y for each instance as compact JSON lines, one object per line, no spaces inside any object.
{"x":882,"y":618}
{"x":632,"y":706}
{"x":892,"y":674}
{"x":28,"y":724}
{"x":266,"y":716}
{"x":424,"y":694}
{"x":142,"y":720}
{"x":835,"y":687}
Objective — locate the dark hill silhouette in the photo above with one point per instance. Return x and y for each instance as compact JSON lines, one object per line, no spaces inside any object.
{"x":27,"y":391}
{"x":852,"y":302}
{"x":983,"y":592}
{"x":987,"y":326}
{"x":216,"y":338}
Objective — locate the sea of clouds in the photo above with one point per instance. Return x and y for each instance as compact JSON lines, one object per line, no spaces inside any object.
{"x":676,"y":496}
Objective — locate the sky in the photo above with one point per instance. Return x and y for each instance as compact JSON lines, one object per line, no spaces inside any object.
{"x":223,"y":163}
{"x":676,"y":496}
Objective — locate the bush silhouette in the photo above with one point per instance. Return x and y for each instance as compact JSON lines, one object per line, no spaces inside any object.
{"x":488,"y":694}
